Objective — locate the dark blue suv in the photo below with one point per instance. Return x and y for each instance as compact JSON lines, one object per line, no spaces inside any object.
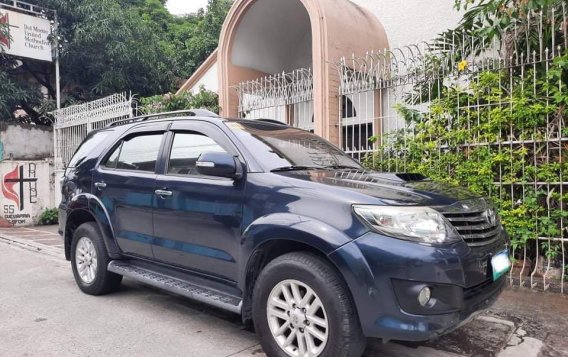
{"x":279,"y":226}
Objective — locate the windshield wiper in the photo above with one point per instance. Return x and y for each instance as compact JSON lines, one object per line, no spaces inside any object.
{"x":296,"y":168}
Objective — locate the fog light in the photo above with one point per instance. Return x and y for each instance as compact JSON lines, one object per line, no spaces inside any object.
{"x":424,"y":296}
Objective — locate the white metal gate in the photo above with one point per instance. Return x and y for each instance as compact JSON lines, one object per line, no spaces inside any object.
{"x":72,"y":124}
{"x":286,"y":97}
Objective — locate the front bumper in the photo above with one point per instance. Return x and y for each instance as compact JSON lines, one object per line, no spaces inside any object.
{"x":374,"y":267}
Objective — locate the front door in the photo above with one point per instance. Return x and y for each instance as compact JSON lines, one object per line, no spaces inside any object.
{"x":197,"y":219}
{"x":125,"y":183}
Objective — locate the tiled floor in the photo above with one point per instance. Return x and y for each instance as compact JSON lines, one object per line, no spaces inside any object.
{"x":41,"y":237}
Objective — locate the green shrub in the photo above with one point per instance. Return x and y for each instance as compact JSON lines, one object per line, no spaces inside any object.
{"x":49,"y":216}
{"x":496,"y":138}
{"x":203,"y":99}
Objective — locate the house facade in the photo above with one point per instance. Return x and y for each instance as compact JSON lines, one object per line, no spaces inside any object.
{"x":280,"y":60}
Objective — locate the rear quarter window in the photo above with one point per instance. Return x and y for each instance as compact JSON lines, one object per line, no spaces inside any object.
{"x":92,"y":141}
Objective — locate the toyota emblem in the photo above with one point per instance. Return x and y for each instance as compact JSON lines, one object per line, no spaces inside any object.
{"x":490,"y":216}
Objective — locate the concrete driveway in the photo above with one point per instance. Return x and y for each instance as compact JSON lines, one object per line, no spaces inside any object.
{"x":43,"y":313}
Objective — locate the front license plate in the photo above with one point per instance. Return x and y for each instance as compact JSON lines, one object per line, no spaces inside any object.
{"x":500,"y":264}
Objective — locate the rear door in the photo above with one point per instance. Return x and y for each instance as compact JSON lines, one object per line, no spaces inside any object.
{"x":125,"y":181}
{"x":197,"y":223}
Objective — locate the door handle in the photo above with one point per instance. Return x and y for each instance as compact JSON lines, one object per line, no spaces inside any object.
{"x":163,"y":193}
{"x":100,"y":185}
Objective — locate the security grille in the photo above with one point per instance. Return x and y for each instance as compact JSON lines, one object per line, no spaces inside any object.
{"x":387,"y":95}
{"x":73,"y":123}
{"x":286,"y":97}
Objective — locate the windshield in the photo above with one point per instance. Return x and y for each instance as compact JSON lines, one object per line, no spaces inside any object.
{"x":279,"y":147}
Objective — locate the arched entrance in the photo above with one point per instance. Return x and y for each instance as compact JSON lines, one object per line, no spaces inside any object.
{"x":273,"y":44}
{"x":278,"y":47}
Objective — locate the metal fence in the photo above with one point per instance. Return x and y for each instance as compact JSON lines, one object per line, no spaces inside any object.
{"x":73,"y":123}
{"x":286,"y":97}
{"x":394,"y":101}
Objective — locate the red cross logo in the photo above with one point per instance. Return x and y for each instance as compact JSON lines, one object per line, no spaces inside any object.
{"x":10,"y":180}
{"x":5,"y":32}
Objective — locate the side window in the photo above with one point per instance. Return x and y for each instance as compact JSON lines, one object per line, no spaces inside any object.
{"x":112,"y":160}
{"x":91,"y":142}
{"x":186,"y":149}
{"x":138,"y":153}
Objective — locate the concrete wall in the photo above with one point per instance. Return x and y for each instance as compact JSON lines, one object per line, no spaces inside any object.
{"x":25,"y":142}
{"x":26,"y":190}
{"x":26,"y":173}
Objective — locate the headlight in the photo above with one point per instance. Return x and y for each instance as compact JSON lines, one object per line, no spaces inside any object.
{"x":419,"y":224}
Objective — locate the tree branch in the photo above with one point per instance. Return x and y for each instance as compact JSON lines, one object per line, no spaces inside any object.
{"x":45,"y":82}
{"x":33,"y":115}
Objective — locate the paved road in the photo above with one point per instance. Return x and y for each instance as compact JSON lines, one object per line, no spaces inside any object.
{"x":43,"y":313}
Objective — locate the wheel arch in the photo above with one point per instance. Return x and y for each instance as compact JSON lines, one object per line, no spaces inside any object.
{"x":88,"y":208}
{"x":272,"y":236}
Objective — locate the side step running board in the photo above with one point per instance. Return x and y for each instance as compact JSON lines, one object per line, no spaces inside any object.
{"x":177,"y":286}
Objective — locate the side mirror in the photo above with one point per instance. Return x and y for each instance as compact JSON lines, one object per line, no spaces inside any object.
{"x":219,"y":164}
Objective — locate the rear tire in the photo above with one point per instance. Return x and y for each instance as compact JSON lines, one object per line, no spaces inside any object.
{"x":89,"y":261}
{"x":302,"y":307}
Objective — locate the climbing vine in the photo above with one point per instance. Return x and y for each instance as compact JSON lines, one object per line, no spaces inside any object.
{"x":498,"y":132}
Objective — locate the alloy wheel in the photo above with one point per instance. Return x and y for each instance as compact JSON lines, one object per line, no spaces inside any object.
{"x":297,"y":319}
{"x":86,"y":260}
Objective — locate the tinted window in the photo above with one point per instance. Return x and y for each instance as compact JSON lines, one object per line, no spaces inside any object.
{"x":112,"y":160}
{"x":186,"y":149}
{"x":278,"y":146}
{"x":92,"y":141}
{"x":136,"y":153}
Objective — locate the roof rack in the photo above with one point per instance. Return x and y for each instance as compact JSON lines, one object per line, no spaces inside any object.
{"x":191,"y":112}
{"x":272,"y":121}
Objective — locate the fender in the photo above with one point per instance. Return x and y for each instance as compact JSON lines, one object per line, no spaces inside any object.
{"x":294,"y":227}
{"x":360,"y":279}
{"x":93,"y":205}
{"x":338,"y":247}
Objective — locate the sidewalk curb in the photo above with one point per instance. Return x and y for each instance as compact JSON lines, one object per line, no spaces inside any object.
{"x":29,"y":245}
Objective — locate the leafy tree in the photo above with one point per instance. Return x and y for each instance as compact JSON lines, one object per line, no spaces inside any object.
{"x":110,"y":46}
{"x":196,"y":36}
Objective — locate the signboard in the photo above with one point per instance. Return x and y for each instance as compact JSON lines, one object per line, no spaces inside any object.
{"x":26,"y":35}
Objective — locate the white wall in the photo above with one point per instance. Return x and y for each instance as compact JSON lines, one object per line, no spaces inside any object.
{"x":273,"y":37}
{"x":26,"y":154}
{"x":411,"y":21}
{"x":209,"y":80}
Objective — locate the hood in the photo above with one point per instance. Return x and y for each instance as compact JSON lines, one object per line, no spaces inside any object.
{"x":391,"y":188}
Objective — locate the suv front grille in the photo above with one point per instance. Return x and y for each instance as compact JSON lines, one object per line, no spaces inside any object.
{"x":472,"y":222}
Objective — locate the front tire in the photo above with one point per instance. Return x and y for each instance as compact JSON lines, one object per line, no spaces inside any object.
{"x":89,"y":261}
{"x":302,"y":307}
